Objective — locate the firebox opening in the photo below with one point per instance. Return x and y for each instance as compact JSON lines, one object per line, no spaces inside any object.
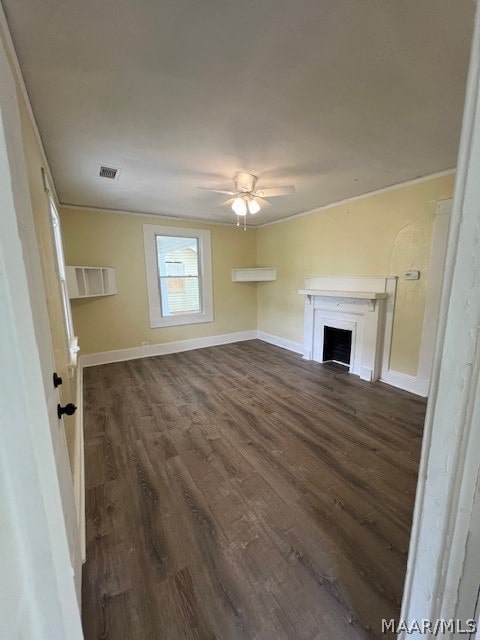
{"x":337,"y":345}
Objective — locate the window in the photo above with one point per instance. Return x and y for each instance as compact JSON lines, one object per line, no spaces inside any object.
{"x":72,"y":340}
{"x":179,"y":275}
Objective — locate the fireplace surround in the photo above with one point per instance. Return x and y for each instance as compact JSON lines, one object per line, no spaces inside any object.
{"x":362,"y":306}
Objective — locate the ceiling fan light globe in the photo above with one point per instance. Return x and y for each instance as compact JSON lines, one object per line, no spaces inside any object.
{"x":239,"y":206}
{"x":253,"y":206}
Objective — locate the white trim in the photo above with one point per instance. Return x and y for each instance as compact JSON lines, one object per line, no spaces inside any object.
{"x":434,"y":287}
{"x":391,"y":289}
{"x":166,"y":216}
{"x":60,"y":272}
{"x":105,"y":357}
{"x":442,"y":573}
{"x":372,"y":354}
{"x":375,"y":192}
{"x":394,"y":378}
{"x":296,"y":347}
{"x":205,"y":280}
{"x":156,"y":216}
{"x":339,"y":321}
{"x":79,"y":465}
{"x":406,"y":382}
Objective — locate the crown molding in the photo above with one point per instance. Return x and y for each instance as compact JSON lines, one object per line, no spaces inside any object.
{"x":161,"y":216}
{"x":155,"y":216}
{"x":375,"y":192}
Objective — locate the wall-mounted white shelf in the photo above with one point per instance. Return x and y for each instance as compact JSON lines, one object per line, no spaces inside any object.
{"x":89,"y":282}
{"x":255,"y":274}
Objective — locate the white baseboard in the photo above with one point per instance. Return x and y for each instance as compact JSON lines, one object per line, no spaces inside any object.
{"x":403,"y":381}
{"x":120,"y":355}
{"x":79,"y":465}
{"x":406,"y":382}
{"x":394,"y":378}
{"x":296,"y":347}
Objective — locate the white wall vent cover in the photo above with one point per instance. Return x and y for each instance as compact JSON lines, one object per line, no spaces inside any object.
{"x":108,"y":172}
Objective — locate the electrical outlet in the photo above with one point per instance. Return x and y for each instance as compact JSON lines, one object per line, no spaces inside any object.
{"x":144,"y":344}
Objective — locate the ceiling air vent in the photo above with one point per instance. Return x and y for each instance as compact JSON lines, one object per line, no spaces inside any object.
{"x":108,"y":172}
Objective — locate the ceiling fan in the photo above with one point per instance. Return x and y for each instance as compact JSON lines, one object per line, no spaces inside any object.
{"x":246,"y":198}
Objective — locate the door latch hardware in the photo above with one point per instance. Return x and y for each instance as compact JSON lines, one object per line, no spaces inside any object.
{"x":69,"y":409}
{"x":57,"y":381}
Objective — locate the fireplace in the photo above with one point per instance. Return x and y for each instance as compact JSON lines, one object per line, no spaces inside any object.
{"x":349,"y":320}
{"x":337,"y":345}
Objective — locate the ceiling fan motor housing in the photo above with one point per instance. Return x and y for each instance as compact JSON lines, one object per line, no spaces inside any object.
{"x":244,"y":182}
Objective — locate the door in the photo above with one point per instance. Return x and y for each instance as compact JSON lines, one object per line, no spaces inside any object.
{"x":31,"y":259}
{"x":38,"y":533}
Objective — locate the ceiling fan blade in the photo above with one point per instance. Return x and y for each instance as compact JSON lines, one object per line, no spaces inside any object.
{"x":228,"y":193}
{"x":227,"y":202}
{"x":261,"y":201}
{"x":275,"y":191}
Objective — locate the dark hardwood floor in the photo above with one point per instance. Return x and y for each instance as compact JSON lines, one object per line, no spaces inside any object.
{"x":239,"y":492}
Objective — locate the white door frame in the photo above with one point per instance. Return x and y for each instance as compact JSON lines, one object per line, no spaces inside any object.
{"x":47,"y":604}
{"x":443,"y":573}
{"x":436,"y":268}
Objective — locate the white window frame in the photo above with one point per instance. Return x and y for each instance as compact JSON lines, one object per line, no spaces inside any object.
{"x":71,"y":338}
{"x":150,"y":232}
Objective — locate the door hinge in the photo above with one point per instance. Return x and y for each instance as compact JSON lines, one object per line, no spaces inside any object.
{"x":45,"y":180}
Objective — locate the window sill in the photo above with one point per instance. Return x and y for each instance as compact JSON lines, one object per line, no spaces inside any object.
{"x":178,"y":321}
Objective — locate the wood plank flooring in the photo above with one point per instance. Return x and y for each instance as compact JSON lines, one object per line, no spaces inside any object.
{"x":239,"y":492}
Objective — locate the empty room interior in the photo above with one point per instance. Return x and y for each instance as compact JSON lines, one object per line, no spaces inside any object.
{"x":232,"y":230}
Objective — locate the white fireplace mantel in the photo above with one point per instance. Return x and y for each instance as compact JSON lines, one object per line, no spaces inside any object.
{"x":369,"y":296}
{"x":363,"y":305}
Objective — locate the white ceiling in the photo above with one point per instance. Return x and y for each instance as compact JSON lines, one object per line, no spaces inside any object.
{"x":338,"y":97}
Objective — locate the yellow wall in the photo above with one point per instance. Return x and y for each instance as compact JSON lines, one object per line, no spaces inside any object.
{"x":121,"y":321}
{"x":383,"y":234}
{"x":44,"y":235}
